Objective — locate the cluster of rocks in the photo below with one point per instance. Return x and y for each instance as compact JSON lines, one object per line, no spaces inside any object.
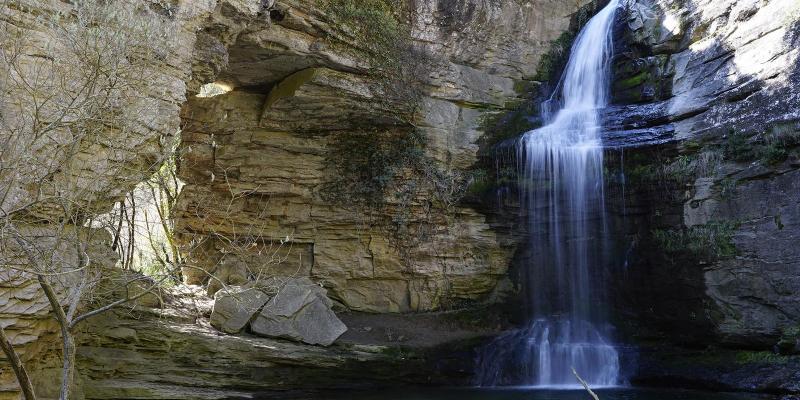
{"x":287,"y":308}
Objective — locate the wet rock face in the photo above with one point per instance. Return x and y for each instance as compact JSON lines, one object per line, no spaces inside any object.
{"x":259,"y":161}
{"x":756,"y":291}
{"x":720,"y":369}
{"x":729,"y":181}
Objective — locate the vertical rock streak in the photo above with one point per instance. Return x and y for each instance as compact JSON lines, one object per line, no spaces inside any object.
{"x":561,"y":170}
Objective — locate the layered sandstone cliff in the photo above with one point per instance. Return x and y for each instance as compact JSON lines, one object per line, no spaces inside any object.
{"x":303,"y":109}
{"x":255,"y":160}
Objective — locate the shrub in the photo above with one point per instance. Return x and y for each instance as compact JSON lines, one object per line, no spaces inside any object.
{"x":375,"y":30}
{"x":387,"y":177}
{"x":737,"y":147}
{"x":777,"y":144}
{"x":727,"y":188}
{"x":709,"y":242}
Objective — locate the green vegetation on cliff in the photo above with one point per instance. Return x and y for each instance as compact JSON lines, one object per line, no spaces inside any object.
{"x":369,"y":164}
{"x":373,"y":26}
{"x":376,"y":31}
{"x":385,"y":171}
{"x":770,"y":148}
{"x":707,"y":242}
{"x":390,"y":180}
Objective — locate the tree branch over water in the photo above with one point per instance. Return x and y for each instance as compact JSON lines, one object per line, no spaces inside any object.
{"x":585,"y":385}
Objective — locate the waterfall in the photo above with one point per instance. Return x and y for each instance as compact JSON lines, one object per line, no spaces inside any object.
{"x":561,"y":180}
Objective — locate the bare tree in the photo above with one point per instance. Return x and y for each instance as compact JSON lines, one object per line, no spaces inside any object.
{"x":17,"y":366}
{"x":226,"y":238}
{"x":78,"y":113}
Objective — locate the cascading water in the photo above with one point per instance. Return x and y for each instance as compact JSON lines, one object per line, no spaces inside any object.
{"x":561,"y":170}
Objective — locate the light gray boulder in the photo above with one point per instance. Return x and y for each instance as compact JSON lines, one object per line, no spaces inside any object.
{"x":235,"y":306}
{"x":301,"y":311}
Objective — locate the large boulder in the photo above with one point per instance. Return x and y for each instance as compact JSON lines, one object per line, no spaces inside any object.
{"x":235,"y":306}
{"x":300,"y":311}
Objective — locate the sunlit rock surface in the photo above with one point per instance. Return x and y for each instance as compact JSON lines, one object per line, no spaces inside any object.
{"x":300,"y":311}
{"x":263,"y":149}
{"x":733,"y":70}
{"x":709,"y":259}
{"x":235,"y":306}
{"x":104,"y":165}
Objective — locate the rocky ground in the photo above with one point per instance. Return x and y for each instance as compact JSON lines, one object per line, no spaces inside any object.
{"x":176,"y":353}
{"x":423,"y":330}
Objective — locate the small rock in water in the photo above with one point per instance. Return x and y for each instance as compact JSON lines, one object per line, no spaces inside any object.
{"x":300,"y":311}
{"x":235,"y":306}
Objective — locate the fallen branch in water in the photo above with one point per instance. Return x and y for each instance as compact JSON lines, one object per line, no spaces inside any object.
{"x":585,"y":385}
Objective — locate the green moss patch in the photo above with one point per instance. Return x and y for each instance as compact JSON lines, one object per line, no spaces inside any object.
{"x":500,"y":126}
{"x":553,"y":62}
{"x":760,"y":357}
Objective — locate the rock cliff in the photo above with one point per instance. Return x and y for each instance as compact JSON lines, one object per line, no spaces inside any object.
{"x":303,"y":154}
{"x":701,"y":167}
{"x":352,"y":146}
{"x":730,"y":110}
{"x":307,"y":113}
{"x":55,"y":175}
{"x":709,"y":199}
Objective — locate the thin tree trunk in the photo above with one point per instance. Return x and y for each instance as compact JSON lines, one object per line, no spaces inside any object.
{"x":131,"y":233}
{"x":66,"y":337}
{"x":16,"y":364}
{"x":118,"y":231}
{"x":68,"y":368}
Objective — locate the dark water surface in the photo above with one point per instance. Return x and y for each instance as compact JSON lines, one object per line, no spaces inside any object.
{"x":535,"y":394}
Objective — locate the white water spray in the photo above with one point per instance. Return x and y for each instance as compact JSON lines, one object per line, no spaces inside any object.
{"x":561,"y":168}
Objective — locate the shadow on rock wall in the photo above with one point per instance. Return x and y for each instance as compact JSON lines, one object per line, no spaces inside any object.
{"x":708,"y":254}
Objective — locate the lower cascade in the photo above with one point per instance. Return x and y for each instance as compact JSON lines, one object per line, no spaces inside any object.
{"x":561,"y":172}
